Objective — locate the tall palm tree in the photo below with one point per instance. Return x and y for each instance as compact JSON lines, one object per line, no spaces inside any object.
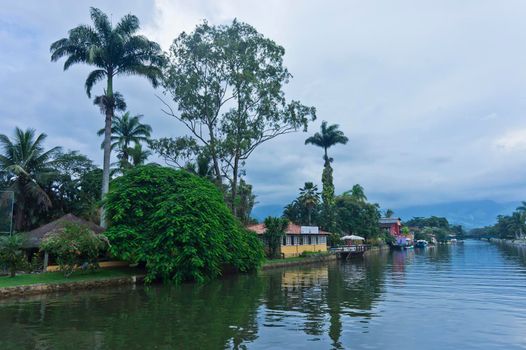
{"x":389,"y":213}
{"x":125,"y":131}
{"x":138,"y":155}
{"x":310,"y":198}
{"x":28,"y":165}
{"x":326,"y":138}
{"x":113,"y":50}
{"x":358,"y":193}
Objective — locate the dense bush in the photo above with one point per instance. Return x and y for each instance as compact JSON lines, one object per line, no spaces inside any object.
{"x":12,"y":256}
{"x":74,"y":246}
{"x":178,"y":224}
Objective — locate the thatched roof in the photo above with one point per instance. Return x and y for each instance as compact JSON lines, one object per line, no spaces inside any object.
{"x":34,"y":237}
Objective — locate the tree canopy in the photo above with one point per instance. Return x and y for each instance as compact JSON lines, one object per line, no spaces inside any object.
{"x":178,"y":225}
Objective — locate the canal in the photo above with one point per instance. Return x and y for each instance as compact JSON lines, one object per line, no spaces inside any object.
{"x":465,"y":296}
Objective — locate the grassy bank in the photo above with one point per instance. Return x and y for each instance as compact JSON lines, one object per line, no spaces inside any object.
{"x":58,"y":277}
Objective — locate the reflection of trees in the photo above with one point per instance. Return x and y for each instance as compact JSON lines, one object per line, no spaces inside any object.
{"x":216,"y":315}
{"x":515,"y":254}
{"x":353,"y":288}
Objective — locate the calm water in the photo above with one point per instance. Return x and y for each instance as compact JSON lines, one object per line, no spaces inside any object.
{"x":470,"y":296}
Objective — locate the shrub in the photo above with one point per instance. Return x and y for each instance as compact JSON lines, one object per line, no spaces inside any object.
{"x":178,"y":224}
{"x":74,"y":246}
{"x":274,"y":231}
{"x":11,"y":254}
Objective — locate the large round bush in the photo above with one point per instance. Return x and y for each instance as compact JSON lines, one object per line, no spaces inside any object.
{"x":178,"y":224}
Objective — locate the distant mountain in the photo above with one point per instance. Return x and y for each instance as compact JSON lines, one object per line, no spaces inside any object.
{"x":469,"y":214}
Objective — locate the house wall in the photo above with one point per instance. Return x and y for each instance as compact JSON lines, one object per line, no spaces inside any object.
{"x":296,"y":249}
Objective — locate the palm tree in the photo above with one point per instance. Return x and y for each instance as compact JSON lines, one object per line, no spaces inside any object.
{"x":28,"y":166}
{"x":138,"y":154}
{"x":309,"y":197}
{"x":113,"y":50}
{"x":389,"y":213}
{"x":328,"y":137}
{"x":358,"y":193}
{"x":126,"y":130}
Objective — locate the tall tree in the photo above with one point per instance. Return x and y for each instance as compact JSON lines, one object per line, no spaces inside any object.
{"x":28,"y":166}
{"x":389,"y":213}
{"x":113,"y":50}
{"x":228,"y":84}
{"x":125,"y":131}
{"x":358,"y":193}
{"x":310,"y":198}
{"x":328,"y":136}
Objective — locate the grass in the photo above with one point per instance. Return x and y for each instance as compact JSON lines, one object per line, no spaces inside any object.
{"x":58,"y":277}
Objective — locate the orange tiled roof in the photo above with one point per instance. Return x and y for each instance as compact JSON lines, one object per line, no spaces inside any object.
{"x":292,"y":229}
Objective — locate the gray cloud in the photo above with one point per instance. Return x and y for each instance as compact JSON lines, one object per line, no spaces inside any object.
{"x":431,"y":94}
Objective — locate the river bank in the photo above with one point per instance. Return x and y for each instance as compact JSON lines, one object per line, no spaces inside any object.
{"x":509,"y":242}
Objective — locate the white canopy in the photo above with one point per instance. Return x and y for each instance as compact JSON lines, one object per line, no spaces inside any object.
{"x":353,"y":238}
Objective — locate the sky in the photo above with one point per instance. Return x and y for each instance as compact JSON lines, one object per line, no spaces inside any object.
{"x":432,"y":94}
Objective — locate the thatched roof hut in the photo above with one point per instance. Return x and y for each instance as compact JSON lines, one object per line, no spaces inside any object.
{"x":35,"y":237}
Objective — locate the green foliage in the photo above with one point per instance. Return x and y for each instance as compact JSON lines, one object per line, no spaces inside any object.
{"x":178,"y":225}
{"x":274,"y":231}
{"x":310,"y":198}
{"x":327,"y":195}
{"x":125,"y":131}
{"x":437,"y":227}
{"x":28,"y":166}
{"x":11,"y":254}
{"x":228,"y":83}
{"x":357,"y":217}
{"x":74,"y":246}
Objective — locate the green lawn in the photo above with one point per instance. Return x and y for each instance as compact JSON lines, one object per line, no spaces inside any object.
{"x":58,"y":277}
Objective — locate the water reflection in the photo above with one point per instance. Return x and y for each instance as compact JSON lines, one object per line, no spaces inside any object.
{"x":385,"y":301}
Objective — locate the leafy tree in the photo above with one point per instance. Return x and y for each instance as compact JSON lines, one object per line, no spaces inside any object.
{"x":64,"y":188}
{"x":11,"y":254}
{"x":75,"y":246}
{"x":227,"y":82}
{"x":357,"y":217}
{"x":178,"y":225}
{"x":125,"y":131}
{"x":245,"y":202}
{"x":389,"y":213}
{"x":310,"y":198}
{"x":113,"y":50}
{"x":28,"y":166}
{"x":326,"y":138}
{"x":275,"y":229}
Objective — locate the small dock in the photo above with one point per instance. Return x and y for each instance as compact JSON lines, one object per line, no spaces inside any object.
{"x":349,"y":251}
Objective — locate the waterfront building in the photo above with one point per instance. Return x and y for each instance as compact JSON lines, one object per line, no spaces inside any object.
{"x":297,"y":239}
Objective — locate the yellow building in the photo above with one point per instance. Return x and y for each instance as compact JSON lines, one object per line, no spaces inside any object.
{"x":298,"y":239}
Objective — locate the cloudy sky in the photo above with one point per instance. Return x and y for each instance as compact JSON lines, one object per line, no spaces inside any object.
{"x":432,"y":94}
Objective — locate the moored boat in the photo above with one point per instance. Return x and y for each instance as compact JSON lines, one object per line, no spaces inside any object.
{"x":421,"y":243}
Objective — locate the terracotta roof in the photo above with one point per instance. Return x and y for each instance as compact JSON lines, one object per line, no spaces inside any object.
{"x":34,"y":237}
{"x":292,"y":229}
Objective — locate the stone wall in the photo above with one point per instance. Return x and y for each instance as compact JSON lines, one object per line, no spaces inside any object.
{"x":301,"y":261}
{"x":33,"y":289}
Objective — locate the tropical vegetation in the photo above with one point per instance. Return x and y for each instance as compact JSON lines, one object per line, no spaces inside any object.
{"x":75,"y":247}
{"x":177,"y":225}
{"x":113,"y":51}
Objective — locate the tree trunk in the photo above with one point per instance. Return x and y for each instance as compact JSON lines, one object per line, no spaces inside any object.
{"x":213,"y":154}
{"x":234,"y":185}
{"x":107,"y":147}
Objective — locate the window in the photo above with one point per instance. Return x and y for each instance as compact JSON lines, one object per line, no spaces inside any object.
{"x":285,"y":240}
{"x":309,"y":239}
{"x":317,"y":240}
{"x":301,"y":240}
{"x":292,"y":240}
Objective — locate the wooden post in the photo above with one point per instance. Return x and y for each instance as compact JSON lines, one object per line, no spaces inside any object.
{"x":46,"y":260}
